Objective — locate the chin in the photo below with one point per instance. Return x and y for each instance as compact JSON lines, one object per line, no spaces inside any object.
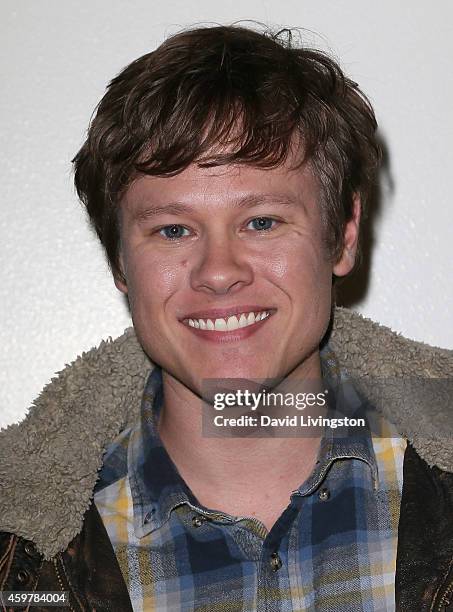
{"x":226,"y":372}
{"x":246,"y":371}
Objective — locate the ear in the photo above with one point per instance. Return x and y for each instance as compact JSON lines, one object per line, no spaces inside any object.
{"x":346,"y":262}
{"x":119,"y":277}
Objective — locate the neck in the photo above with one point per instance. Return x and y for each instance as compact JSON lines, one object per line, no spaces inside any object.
{"x":233,"y":465}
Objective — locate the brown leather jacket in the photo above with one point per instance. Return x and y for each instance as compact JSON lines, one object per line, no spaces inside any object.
{"x":53,"y":539}
{"x":89,"y":571}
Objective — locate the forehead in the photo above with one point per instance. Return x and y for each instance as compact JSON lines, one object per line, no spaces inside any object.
{"x":223,"y":186}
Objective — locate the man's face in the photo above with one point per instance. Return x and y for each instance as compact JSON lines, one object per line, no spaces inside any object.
{"x":227,"y":273}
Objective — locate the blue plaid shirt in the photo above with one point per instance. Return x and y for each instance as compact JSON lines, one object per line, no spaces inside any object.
{"x":332,"y":549}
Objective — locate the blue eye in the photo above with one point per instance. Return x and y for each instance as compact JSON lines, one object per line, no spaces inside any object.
{"x":262,"y":223}
{"x":173,"y":232}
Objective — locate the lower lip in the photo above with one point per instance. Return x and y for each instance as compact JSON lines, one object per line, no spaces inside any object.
{"x":228,"y":336}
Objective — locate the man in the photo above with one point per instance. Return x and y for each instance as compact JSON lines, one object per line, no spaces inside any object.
{"x":226,"y":174}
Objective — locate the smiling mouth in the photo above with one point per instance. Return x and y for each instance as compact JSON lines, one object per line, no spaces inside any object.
{"x":227,"y":324}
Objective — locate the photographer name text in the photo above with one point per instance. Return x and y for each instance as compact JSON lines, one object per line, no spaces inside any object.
{"x":298,"y":420}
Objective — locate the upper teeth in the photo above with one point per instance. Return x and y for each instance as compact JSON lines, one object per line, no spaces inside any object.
{"x":229,"y":323}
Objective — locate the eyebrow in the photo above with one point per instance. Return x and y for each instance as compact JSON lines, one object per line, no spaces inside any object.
{"x":249,"y":201}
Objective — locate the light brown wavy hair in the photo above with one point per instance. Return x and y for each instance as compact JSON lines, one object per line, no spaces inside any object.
{"x":249,"y":92}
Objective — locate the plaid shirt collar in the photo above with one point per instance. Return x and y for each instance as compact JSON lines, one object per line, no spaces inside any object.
{"x":157,"y":487}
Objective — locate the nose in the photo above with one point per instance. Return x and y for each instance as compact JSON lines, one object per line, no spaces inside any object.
{"x":222,"y":266}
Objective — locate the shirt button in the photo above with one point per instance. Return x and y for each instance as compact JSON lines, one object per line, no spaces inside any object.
{"x":276,"y":562}
{"x":149,"y":515}
{"x":324,"y":494}
{"x":197,"y":521}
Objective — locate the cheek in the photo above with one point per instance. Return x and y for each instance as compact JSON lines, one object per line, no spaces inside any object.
{"x":303,"y":273}
{"x":300,"y":262}
{"x":153,"y":280}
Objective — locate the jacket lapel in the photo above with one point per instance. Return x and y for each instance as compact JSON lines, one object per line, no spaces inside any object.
{"x":425,"y":535}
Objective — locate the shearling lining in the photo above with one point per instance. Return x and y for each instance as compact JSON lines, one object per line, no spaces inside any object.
{"x":49,"y":461}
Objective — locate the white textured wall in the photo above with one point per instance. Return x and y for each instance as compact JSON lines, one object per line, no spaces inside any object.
{"x":56,"y":295}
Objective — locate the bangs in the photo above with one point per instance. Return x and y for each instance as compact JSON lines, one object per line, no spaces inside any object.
{"x":232,"y":133}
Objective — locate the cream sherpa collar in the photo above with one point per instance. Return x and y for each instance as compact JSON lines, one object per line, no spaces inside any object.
{"x":49,"y":461}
